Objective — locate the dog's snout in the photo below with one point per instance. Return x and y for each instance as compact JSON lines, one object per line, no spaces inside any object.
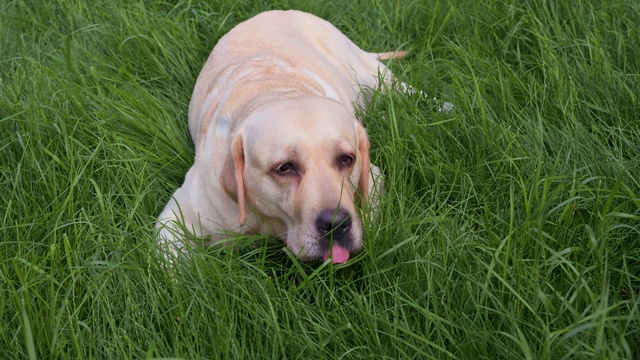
{"x":333,"y":222}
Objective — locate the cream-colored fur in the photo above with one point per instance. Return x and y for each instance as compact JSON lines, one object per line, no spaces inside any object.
{"x":278,"y":148}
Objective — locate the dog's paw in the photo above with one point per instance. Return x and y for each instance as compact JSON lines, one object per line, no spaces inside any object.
{"x":446,"y":107}
{"x":442,"y":107}
{"x":170,"y":235}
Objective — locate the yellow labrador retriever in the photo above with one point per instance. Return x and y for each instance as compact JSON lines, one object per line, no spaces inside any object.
{"x":279,"y":150}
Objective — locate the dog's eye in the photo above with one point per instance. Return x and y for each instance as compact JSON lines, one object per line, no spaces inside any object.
{"x":285,"y":169}
{"x":345,"y":161}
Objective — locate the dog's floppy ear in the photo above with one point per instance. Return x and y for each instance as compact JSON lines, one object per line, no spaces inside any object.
{"x":363,"y":153}
{"x":233,"y":176}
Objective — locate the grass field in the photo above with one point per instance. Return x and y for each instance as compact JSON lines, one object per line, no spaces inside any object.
{"x":510,"y":227}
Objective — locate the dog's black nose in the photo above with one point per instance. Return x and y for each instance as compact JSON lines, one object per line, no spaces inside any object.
{"x":333,"y":222}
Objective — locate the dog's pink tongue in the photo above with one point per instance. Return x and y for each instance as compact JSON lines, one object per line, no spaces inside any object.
{"x":340,"y":254}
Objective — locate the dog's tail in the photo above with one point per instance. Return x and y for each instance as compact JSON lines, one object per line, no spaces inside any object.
{"x":392,"y":55}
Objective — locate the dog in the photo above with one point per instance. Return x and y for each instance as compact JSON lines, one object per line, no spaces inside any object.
{"x":278,"y":148}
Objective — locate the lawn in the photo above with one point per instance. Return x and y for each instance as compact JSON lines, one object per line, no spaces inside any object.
{"x":509,"y":228}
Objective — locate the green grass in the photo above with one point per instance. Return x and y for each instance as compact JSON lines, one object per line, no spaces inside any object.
{"x":510,"y":228}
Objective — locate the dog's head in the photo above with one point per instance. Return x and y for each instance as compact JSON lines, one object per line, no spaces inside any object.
{"x":304,"y":164}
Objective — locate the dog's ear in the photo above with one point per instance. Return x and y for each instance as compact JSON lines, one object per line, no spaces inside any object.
{"x":232,"y":179}
{"x":363,"y":153}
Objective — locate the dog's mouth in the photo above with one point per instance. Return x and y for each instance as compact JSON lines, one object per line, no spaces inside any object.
{"x":337,"y":253}
{"x":339,"y":250}
{"x":335,"y":226}
{"x":333,"y":235}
